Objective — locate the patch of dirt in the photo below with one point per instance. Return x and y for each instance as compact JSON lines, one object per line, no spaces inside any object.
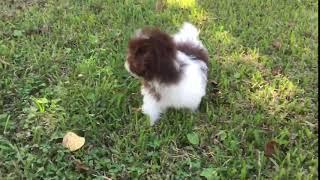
{"x":9,"y":8}
{"x":277,"y":70}
{"x":270,"y":148}
{"x":277,"y":44}
{"x":44,"y":29}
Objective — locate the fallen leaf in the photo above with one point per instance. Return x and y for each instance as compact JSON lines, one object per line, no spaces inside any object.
{"x":270,"y":148}
{"x":39,"y":30}
{"x":137,"y":109}
{"x":276,"y":70}
{"x":209,"y":173}
{"x":237,"y":75}
{"x":72,"y":141}
{"x":308,"y":34}
{"x":193,"y":138}
{"x":214,"y":83}
{"x":44,"y":29}
{"x":80,"y":167}
{"x":215,"y":88}
{"x":160,"y":5}
{"x":17,"y":33}
{"x":291,"y":24}
{"x":277,"y":44}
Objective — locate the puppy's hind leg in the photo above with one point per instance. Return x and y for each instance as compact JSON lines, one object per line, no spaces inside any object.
{"x":194,"y":107}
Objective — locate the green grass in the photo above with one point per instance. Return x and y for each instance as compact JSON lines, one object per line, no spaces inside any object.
{"x":61,"y":69}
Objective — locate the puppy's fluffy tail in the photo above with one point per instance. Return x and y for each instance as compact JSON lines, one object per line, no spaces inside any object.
{"x":189,"y":30}
{"x":188,"y":33}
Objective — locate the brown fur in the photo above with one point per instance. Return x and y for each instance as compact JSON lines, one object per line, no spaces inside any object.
{"x":152,"y":56}
{"x":192,"y":50}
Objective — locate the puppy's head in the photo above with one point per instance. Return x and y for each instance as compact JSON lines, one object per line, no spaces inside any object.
{"x":151,"y":56}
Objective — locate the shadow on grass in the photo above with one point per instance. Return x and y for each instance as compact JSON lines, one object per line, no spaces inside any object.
{"x":258,"y":98}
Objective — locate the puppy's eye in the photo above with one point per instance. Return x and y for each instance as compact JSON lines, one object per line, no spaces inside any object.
{"x":141,"y":51}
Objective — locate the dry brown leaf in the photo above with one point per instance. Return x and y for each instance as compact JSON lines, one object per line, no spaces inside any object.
{"x":137,"y":109}
{"x":291,"y":23}
{"x":213,"y":82}
{"x":270,"y":148}
{"x":277,"y":70}
{"x":80,"y":167}
{"x":277,"y":44}
{"x":308,"y":34}
{"x":72,"y":141}
{"x":44,"y":29}
{"x":160,"y":5}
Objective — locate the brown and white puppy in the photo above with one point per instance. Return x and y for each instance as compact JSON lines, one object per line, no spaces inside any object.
{"x":173,"y":69}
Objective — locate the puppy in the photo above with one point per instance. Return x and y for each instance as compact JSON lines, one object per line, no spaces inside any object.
{"x":173,"y":69}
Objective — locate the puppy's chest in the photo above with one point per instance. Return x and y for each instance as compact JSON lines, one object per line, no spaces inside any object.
{"x":150,"y":89}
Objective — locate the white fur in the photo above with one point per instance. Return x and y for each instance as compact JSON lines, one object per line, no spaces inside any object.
{"x":139,"y":34}
{"x":188,"y":33}
{"x":188,"y":92}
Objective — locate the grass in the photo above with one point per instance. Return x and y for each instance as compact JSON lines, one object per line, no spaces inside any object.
{"x":61,"y":69}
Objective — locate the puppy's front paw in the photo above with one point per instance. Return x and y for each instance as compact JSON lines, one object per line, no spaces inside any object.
{"x":152,"y":113}
{"x":153,"y":121}
{"x":194,"y":110}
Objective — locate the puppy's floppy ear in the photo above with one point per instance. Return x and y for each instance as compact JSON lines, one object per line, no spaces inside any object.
{"x":138,"y":59}
{"x":141,"y":50}
{"x":138,"y":67}
{"x":145,"y":56}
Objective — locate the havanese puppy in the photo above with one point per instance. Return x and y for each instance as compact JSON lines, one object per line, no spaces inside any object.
{"x":173,"y":69}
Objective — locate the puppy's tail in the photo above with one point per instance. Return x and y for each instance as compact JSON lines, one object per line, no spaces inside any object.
{"x":188,"y":33}
{"x":189,"y":30}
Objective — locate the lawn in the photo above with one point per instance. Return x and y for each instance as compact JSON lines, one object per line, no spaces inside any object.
{"x":62,"y":69}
